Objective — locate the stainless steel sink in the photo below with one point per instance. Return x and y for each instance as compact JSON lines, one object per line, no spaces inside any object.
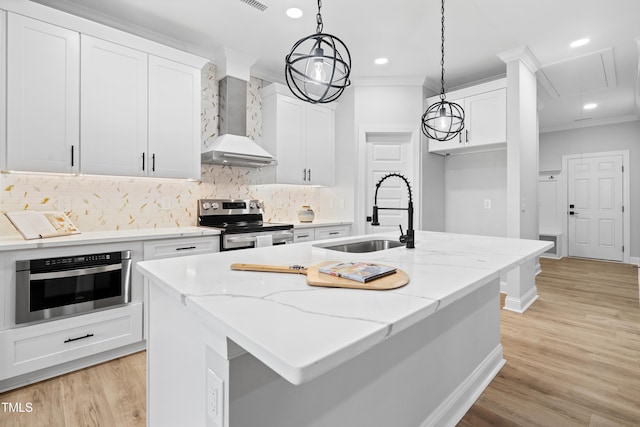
{"x":362,"y":246}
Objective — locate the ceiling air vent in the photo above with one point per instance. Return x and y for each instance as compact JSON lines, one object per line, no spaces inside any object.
{"x":255,"y":4}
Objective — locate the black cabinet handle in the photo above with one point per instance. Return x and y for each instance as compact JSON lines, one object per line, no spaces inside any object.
{"x":72,"y":155}
{"x":79,"y":338}
{"x":142,"y":162}
{"x":153,"y":162}
{"x":309,"y":175}
{"x":304,"y":174}
{"x":186,"y":248}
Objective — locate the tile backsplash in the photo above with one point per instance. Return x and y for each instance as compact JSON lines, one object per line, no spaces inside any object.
{"x":96,"y":203}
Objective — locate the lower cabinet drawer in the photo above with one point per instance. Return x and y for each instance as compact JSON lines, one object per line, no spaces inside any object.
{"x":303,"y":235}
{"x":30,"y":348}
{"x":331,"y":232}
{"x":181,"y":247}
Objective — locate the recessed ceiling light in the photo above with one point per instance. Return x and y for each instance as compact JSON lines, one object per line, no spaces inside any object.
{"x":590,"y":106}
{"x":294,"y":13}
{"x":381,"y":61}
{"x":580,"y":42}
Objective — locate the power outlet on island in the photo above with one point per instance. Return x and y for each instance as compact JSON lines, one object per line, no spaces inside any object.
{"x":215,"y":398}
{"x":487,"y":203}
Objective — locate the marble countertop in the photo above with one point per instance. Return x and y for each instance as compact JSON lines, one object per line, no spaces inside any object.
{"x":301,"y":331}
{"x":12,"y":243}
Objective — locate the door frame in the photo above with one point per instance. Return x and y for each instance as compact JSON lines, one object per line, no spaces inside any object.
{"x":626,"y":198}
{"x":415,"y":180}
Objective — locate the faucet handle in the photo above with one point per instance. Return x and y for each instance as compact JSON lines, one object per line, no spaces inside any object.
{"x":403,"y":237}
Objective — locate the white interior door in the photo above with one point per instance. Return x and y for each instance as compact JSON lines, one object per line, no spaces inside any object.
{"x":386,"y":153}
{"x":595,"y":207}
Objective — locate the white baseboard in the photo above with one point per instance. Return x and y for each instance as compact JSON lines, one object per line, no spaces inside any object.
{"x":520,"y":305}
{"x":456,"y":405}
{"x":634,"y":260}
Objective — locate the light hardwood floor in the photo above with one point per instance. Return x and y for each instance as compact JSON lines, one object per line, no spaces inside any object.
{"x":573,"y":359}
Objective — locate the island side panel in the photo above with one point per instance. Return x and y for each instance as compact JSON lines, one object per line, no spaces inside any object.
{"x":179,"y":353}
{"x":429,"y":374}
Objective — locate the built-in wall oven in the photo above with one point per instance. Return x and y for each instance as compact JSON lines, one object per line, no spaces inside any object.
{"x":241,"y":223}
{"x":50,"y":288}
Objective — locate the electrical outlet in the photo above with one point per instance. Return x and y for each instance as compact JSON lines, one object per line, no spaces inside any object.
{"x":215,"y":398}
{"x":64,"y":204}
{"x":487,"y":203}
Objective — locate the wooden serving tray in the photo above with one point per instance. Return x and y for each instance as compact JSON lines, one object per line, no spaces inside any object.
{"x":315,"y":278}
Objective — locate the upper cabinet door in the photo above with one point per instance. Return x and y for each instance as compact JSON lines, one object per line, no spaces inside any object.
{"x":43,"y":96}
{"x":174,"y":119}
{"x":290,"y":137}
{"x":320,"y":145}
{"x":113,"y":108}
{"x":487,"y":118}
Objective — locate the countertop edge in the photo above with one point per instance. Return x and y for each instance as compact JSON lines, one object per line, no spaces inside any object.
{"x":100,"y":237}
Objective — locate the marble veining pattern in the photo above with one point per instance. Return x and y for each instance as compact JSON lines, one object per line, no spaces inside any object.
{"x":97,"y":203}
{"x":302,"y":331}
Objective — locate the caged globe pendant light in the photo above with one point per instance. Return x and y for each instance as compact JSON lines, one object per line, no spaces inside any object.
{"x":318,"y":67}
{"x":443,"y":120}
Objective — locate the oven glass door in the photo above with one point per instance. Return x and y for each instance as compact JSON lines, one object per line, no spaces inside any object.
{"x":60,"y":288}
{"x":47,"y":295}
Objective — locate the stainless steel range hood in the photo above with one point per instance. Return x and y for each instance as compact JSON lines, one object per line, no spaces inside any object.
{"x":232,"y":147}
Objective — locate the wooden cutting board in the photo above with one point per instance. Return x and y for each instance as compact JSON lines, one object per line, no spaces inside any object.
{"x":315,"y":278}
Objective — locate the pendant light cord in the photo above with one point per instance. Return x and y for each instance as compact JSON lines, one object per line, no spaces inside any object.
{"x":319,"y":18}
{"x":442,"y":96}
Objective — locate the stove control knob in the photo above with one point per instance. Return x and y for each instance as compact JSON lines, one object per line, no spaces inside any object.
{"x":215,"y":206}
{"x":259,"y":204}
{"x":206,"y":206}
{"x":252,"y":205}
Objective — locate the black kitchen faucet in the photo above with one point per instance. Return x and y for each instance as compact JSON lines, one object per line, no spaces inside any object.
{"x":408,"y":238}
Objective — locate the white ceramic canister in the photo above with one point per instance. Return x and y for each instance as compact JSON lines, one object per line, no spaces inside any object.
{"x":306,"y":214}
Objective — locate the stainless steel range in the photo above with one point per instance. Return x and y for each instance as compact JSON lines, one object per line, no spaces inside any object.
{"x":241,"y":223}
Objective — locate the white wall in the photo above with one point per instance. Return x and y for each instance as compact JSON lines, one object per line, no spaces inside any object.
{"x":620,"y":136}
{"x":469,"y":180}
{"x":372,"y":106}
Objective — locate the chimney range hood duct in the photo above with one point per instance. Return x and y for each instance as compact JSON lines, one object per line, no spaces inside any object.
{"x":232,"y":147}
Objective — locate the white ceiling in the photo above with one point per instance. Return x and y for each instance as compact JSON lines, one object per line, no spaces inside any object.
{"x":605,"y":71}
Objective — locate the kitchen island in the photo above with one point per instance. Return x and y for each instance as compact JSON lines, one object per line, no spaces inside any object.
{"x":238,"y":348}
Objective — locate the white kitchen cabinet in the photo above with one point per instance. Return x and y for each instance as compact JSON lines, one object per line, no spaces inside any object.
{"x":301,"y":136}
{"x":320,"y":232}
{"x":156,"y":249}
{"x":174,"y":119}
{"x":43,"y":345}
{"x":86,"y":98}
{"x":169,"y":248}
{"x":331,"y":232}
{"x":485,"y":108}
{"x":303,"y":235}
{"x":43,"y":96}
{"x":113,"y":108}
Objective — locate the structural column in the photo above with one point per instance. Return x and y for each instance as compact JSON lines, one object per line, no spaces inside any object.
{"x":522,"y":170}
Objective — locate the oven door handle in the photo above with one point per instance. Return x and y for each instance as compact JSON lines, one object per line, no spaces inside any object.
{"x":75,"y":273}
{"x":252,"y":239}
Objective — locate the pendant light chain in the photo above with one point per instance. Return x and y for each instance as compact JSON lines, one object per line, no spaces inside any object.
{"x":319,"y":18}
{"x":442,"y":96}
{"x":443,"y":120}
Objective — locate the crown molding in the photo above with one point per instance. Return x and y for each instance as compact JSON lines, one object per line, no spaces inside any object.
{"x":523,"y":54}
